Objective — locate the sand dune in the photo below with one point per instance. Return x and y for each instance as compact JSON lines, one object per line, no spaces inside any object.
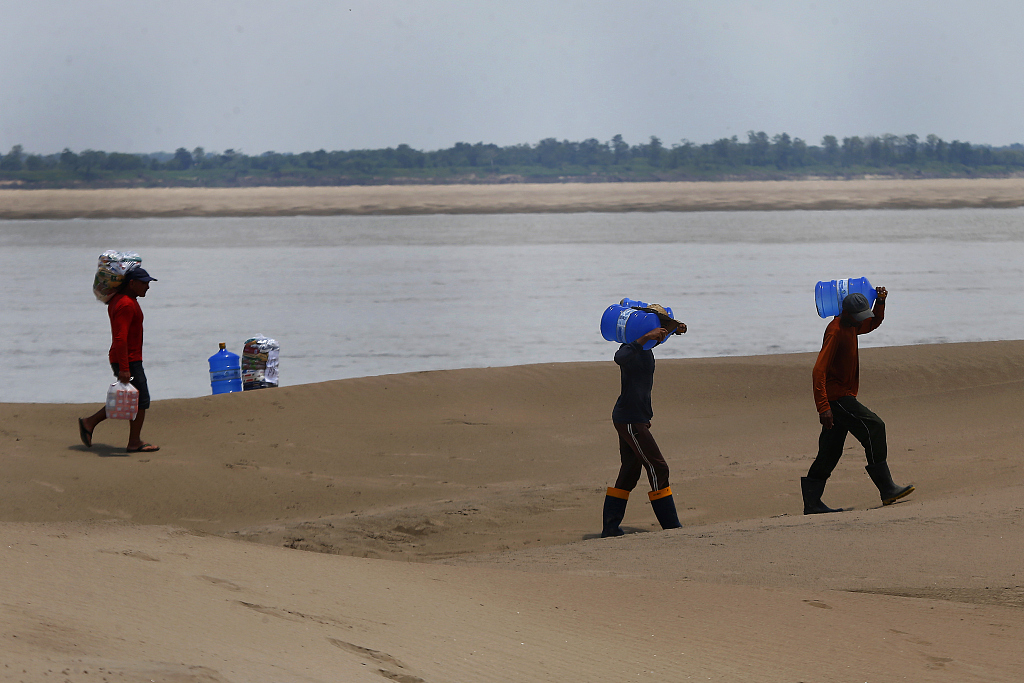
{"x":514,"y":198}
{"x":137,"y":568}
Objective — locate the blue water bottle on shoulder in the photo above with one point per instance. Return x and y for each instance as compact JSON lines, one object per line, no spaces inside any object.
{"x":829,"y":295}
{"x":624,"y":323}
{"x":225,"y":371}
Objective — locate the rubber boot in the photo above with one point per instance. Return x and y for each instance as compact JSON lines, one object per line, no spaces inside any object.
{"x":614,"y":511}
{"x":665,"y":508}
{"x":812,"y":490}
{"x":887,"y":490}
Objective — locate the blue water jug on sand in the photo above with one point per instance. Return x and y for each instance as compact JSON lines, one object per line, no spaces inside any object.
{"x":624,"y":324}
{"x":225,"y":371}
{"x":828,"y":296}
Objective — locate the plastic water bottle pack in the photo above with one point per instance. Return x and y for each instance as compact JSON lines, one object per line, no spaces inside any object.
{"x":260,"y":357}
{"x":110,"y":270}
{"x":122,"y":402}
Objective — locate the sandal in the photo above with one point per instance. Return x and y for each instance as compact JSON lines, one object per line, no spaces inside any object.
{"x":84,"y":434}
{"x":144,"y":448}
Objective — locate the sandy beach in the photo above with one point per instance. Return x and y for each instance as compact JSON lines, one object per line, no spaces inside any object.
{"x":514,"y":198}
{"x":441,"y":526}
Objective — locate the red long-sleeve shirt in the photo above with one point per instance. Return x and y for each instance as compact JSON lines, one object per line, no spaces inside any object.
{"x":837,"y":371}
{"x":125,"y":330}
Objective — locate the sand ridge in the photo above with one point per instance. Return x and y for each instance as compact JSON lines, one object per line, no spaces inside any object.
{"x":144,"y":568}
{"x":812,"y":194}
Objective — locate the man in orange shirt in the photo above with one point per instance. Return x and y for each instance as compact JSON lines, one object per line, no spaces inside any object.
{"x":836,"y":379}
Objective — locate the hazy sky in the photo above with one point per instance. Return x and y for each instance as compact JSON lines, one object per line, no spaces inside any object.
{"x":298,"y":75}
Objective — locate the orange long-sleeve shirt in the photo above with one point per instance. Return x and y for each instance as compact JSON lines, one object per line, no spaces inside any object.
{"x":837,"y":371}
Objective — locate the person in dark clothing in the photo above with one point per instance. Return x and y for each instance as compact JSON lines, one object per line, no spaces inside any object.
{"x":631,"y":417}
{"x":836,"y":380}
{"x":126,"y":357}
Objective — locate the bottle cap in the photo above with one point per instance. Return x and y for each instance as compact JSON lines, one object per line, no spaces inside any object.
{"x":223,"y":345}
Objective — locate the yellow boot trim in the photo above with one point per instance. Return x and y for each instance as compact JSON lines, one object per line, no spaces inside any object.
{"x":618,"y":493}
{"x":661,"y":493}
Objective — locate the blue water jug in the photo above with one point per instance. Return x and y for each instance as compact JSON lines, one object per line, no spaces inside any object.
{"x":624,"y":324}
{"x":828,"y":296}
{"x":225,"y":371}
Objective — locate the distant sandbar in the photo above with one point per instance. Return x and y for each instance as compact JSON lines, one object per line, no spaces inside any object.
{"x":514,"y":198}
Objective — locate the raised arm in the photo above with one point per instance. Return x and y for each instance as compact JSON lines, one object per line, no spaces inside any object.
{"x":878,"y":312}
{"x":627,"y":352}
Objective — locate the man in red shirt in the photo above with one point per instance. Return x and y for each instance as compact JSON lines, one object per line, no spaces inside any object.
{"x":836,"y":379}
{"x":126,"y":357}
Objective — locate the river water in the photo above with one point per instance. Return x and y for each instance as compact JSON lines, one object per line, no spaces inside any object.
{"x":356,"y":296}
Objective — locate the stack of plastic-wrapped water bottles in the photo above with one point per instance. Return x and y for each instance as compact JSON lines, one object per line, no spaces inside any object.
{"x":259,"y":363}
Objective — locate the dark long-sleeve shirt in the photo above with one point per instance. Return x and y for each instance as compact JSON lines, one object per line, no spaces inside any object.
{"x":125,"y":330}
{"x":636,"y":368}
{"x":837,"y":371}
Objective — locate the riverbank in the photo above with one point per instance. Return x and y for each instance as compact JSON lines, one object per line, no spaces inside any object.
{"x":454,"y":517}
{"x":514,"y":198}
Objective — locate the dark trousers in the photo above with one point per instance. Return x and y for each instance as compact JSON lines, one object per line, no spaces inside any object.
{"x":638,"y":451}
{"x":849,"y":417}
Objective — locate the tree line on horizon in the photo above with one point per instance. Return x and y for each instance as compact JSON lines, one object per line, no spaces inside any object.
{"x":757,"y":157}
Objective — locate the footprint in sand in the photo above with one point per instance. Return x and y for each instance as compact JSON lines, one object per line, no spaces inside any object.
{"x":223,"y":583}
{"x":137,"y":554}
{"x":818,"y":603}
{"x":937,"y":662}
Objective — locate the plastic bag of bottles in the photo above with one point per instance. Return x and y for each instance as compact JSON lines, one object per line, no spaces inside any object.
{"x":110,"y":270}
{"x":122,"y":401}
{"x":259,"y":363}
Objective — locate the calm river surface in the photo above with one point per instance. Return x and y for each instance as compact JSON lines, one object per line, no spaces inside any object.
{"x":355,"y":296}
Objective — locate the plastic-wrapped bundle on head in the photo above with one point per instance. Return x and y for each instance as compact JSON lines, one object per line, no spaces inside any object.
{"x":110,"y":270}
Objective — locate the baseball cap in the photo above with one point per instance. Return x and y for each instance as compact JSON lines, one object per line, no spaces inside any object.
{"x":857,"y":306}
{"x":139,"y":273}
